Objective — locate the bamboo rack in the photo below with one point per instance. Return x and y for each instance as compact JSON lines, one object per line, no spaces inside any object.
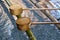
{"x":29,"y":33}
{"x":47,"y":13}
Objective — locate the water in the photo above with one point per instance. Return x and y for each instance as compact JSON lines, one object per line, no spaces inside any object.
{"x":5,"y":25}
{"x":9,"y":32}
{"x":56,"y":13}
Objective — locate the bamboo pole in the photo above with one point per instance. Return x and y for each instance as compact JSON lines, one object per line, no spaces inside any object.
{"x":29,"y":32}
{"x":34,"y":23}
{"x":8,"y":2}
{"x":41,"y":9}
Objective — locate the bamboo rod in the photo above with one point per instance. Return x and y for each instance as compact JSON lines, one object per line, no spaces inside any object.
{"x":51,"y":3}
{"x":34,"y":23}
{"x":41,"y":9}
{"x":8,"y":2}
